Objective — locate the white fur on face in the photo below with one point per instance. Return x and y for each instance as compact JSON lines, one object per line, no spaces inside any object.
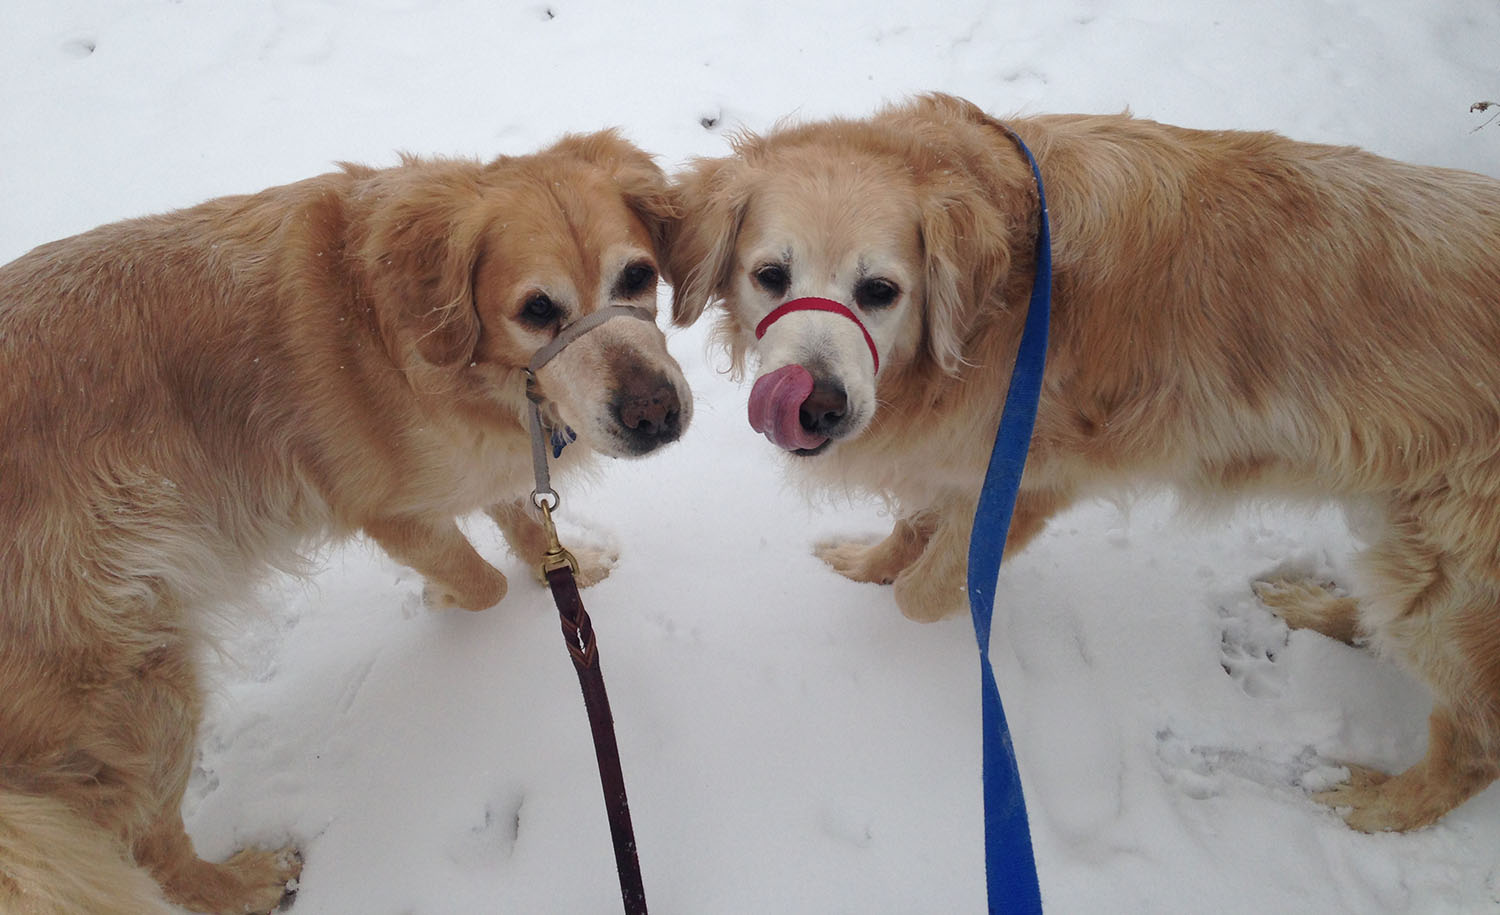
{"x":830,"y":237}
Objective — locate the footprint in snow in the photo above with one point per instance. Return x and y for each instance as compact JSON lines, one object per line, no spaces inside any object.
{"x":494,"y":837}
{"x":1200,"y":771}
{"x":1249,"y":644}
{"x":845,"y":826}
{"x":80,"y":47}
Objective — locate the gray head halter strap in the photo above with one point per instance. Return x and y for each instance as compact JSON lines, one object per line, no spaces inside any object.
{"x":545,"y":355}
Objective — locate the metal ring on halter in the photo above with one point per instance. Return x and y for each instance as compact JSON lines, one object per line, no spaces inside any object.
{"x":539,"y":499}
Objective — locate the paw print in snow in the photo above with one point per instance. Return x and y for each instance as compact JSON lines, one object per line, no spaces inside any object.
{"x":1248,"y":646}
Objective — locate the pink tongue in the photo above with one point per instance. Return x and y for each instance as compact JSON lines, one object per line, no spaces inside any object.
{"x":776,"y":407}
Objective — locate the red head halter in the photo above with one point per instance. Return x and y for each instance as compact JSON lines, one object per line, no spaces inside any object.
{"x":813,"y":303}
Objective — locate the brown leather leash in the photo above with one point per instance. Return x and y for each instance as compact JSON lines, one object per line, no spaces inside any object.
{"x":578,"y":632}
{"x":558,"y":568}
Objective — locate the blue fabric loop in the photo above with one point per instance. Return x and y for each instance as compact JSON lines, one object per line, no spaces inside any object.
{"x":1010,"y":866}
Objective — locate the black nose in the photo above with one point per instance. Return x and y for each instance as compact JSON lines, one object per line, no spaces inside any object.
{"x":824,"y":408}
{"x":647,"y":407}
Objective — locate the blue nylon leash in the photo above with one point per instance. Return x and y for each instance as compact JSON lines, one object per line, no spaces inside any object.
{"x":1010,"y":866}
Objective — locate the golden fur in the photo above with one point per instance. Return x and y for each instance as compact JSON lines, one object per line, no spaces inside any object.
{"x":187,"y":398}
{"x":1233,"y":314}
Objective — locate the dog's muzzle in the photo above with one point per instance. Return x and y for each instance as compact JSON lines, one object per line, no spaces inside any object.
{"x":561,"y":438}
{"x":791,"y":408}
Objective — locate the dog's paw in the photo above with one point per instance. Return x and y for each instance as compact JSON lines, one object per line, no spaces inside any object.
{"x":256,"y":881}
{"x":1372,"y":801}
{"x":929,"y":598}
{"x":480,"y":596}
{"x":594,"y":564}
{"x":858,"y":561}
{"x":1306,"y":603}
{"x":270,"y":878}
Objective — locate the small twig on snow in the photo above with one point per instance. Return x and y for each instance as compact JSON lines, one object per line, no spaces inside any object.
{"x":1485,"y":106}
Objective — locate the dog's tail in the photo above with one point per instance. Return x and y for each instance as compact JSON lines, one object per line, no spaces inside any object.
{"x":55,"y":862}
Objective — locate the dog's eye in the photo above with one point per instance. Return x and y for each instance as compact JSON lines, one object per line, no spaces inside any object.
{"x":634,"y":280}
{"x":773,"y":278}
{"x":876,"y":293}
{"x":539,"y":311}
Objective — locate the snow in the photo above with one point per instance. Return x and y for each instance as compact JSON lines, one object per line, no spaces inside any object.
{"x":790,"y":742}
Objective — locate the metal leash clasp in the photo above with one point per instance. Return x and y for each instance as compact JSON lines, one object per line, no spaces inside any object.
{"x":544,"y":497}
{"x":557,"y":556}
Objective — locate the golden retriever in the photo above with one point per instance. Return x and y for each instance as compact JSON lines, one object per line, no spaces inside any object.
{"x":190,"y":398}
{"x":1233,"y":314}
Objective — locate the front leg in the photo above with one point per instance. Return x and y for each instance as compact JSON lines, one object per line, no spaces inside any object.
{"x":936,"y":584}
{"x":527,"y":538}
{"x":879,"y":562}
{"x":457,"y":576}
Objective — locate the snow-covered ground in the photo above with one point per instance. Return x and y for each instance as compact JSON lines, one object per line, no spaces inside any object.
{"x":791,"y":744}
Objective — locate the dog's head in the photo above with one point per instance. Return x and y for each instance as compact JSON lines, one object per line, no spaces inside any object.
{"x":472,"y":268}
{"x":907,"y":219}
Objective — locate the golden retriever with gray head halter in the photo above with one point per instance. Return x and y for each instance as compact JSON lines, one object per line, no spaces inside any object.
{"x":1233,"y":314}
{"x":187,"y":399}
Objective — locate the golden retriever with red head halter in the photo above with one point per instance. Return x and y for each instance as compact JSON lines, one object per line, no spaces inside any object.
{"x":1233,"y":314}
{"x":190,"y":398}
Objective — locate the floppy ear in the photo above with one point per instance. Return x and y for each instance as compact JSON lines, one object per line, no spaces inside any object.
{"x":418,"y":256}
{"x":966,"y":246}
{"x":641,"y":183}
{"x":711,"y":197}
{"x":646,"y":191}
